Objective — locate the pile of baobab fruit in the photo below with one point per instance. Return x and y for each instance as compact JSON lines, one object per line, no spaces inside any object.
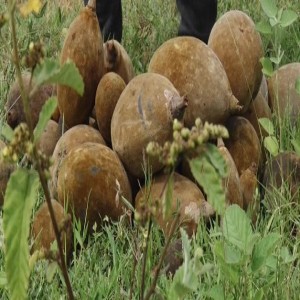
{"x":97,"y":141}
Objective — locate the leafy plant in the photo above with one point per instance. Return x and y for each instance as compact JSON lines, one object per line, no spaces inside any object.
{"x":278,"y":19}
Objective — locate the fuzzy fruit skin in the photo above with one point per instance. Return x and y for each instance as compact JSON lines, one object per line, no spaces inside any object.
{"x":231,"y":183}
{"x":108,"y":93}
{"x":192,"y":204}
{"x":84,"y":46}
{"x":142,"y":115}
{"x":248,"y":181}
{"x":243,"y":143}
{"x":259,"y":108}
{"x":239,"y":47}
{"x":49,"y":138}
{"x":14,"y":105}
{"x":43,"y":232}
{"x":196,"y":72}
{"x":72,"y":138}
{"x":5,"y":171}
{"x":282,"y":93}
{"x":87,"y":183}
{"x":283,"y":169}
{"x":117,"y":60}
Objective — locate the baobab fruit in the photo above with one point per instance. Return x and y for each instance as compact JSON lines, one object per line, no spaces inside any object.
{"x":73,"y":137}
{"x":283,"y":97}
{"x":43,"y":231}
{"x":14,"y":109}
{"x":187,"y":200}
{"x":144,"y":113}
{"x":239,"y":47}
{"x":108,"y":93}
{"x":92,"y":182}
{"x":196,"y":72}
{"x":117,"y":60}
{"x":243,"y":143}
{"x":83,"y":45}
{"x":248,"y":181}
{"x":283,"y":171}
{"x":231,"y":183}
{"x":49,"y":138}
{"x":6,"y":169}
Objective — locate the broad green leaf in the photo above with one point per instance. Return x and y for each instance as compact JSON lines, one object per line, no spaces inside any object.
{"x":6,"y":132}
{"x":263,"y":249}
{"x":51,"y":72}
{"x":271,"y":144}
{"x":216,"y":293}
{"x":263,"y":27}
{"x":259,"y":295}
{"x":286,"y":256}
{"x":52,"y":268}
{"x":267,"y":67}
{"x":185,"y":279}
{"x":288,"y":17}
{"x":216,"y":159}
{"x":45,"y":115}
{"x":207,"y":176}
{"x":296,"y":145}
{"x":167,"y":196}
{"x":230,"y":272}
{"x":19,"y":200}
{"x":237,"y":227}
{"x":269,"y":7}
{"x":231,"y":255}
{"x":267,"y":125}
{"x":3,"y":280}
{"x":297,"y":85}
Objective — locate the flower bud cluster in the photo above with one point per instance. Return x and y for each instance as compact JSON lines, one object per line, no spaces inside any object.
{"x":35,"y":55}
{"x":21,"y":145}
{"x":186,"y":140}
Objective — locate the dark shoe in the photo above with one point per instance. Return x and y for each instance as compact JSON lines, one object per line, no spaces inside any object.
{"x":197,"y":17}
{"x":109,"y":13}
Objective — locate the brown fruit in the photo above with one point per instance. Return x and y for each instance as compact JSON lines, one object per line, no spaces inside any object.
{"x":5,"y":170}
{"x":248,"y":181}
{"x":238,"y":45}
{"x":174,"y":257}
{"x":196,"y":72}
{"x":14,"y":106}
{"x":259,"y":108}
{"x":231,"y":183}
{"x":144,"y":113}
{"x":91,"y":182}
{"x":72,"y":138}
{"x":243,"y":143}
{"x":283,"y":97}
{"x":283,"y":171}
{"x":108,"y":93}
{"x":84,"y":46}
{"x":49,"y":138}
{"x":186,"y":196}
{"x":43,"y":232}
{"x":117,"y":60}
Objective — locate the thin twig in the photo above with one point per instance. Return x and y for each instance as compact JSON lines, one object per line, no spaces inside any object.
{"x":145,"y":252}
{"x":43,"y":179}
{"x":162,"y":257}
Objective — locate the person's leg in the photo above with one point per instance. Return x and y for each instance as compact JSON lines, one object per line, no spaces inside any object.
{"x":197,"y":17}
{"x":109,"y":13}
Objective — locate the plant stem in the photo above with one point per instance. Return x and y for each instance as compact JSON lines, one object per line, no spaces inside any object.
{"x":145,"y":251}
{"x":43,"y":179}
{"x":133,"y":268}
{"x":162,"y":257}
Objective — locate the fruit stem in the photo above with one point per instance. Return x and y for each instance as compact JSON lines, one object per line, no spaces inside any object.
{"x":92,"y":5}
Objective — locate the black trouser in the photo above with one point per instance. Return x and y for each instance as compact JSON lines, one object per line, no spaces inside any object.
{"x":197,"y":18}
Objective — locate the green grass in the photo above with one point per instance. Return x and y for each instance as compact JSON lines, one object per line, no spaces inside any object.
{"x":102,"y":267}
